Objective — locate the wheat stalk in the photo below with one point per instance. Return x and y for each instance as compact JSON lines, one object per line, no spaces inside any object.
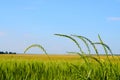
{"x":93,"y":45}
{"x":72,"y":40}
{"x":84,"y":42}
{"x":35,"y":45}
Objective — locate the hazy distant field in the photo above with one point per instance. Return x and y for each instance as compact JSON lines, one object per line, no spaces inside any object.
{"x":51,"y":57}
{"x":40,"y":57}
{"x":57,"y":67}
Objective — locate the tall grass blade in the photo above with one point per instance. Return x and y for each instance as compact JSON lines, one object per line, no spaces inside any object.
{"x":89,"y":74}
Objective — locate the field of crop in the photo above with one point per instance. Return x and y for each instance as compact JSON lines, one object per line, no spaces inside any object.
{"x":75,"y":66}
{"x":58,"y":67}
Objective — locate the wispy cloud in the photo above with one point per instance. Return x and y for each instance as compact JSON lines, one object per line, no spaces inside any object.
{"x":29,"y":8}
{"x":113,"y":18}
{"x":2,"y":34}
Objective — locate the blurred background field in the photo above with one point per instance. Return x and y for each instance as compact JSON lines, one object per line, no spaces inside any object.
{"x":51,"y":57}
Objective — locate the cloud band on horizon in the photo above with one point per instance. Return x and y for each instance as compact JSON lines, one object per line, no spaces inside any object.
{"x":114,"y":18}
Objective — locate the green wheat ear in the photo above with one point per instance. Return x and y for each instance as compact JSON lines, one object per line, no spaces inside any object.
{"x":35,"y":45}
{"x":81,"y":51}
{"x":62,"y":35}
{"x":91,"y":42}
{"x":80,"y":37}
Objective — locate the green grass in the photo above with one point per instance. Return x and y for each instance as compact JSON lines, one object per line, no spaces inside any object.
{"x":76,"y":69}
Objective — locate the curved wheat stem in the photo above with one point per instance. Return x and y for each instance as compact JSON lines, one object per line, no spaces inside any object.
{"x":93,"y":45}
{"x":35,"y":45}
{"x":89,"y":51}
{"x":72,"y":40}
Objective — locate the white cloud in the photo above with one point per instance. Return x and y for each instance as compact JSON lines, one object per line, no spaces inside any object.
{"x":30,"y":8}
{"x":2,"y":33}
{"x":114,"y":18}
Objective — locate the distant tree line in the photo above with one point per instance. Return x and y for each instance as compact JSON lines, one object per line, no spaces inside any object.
{"x":6,"y":52}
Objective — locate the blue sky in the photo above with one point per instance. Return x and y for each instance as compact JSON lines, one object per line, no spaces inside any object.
{"x":26,"y":22}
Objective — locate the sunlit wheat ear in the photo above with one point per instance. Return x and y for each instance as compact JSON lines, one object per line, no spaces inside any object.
{"x":72,"y":40}
{"x":84,"y":42}
{"x":35,"y":45}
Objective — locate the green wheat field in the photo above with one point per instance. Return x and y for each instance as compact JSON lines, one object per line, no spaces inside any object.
{"x":73,"y":66}
{"x":58,"y":67}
